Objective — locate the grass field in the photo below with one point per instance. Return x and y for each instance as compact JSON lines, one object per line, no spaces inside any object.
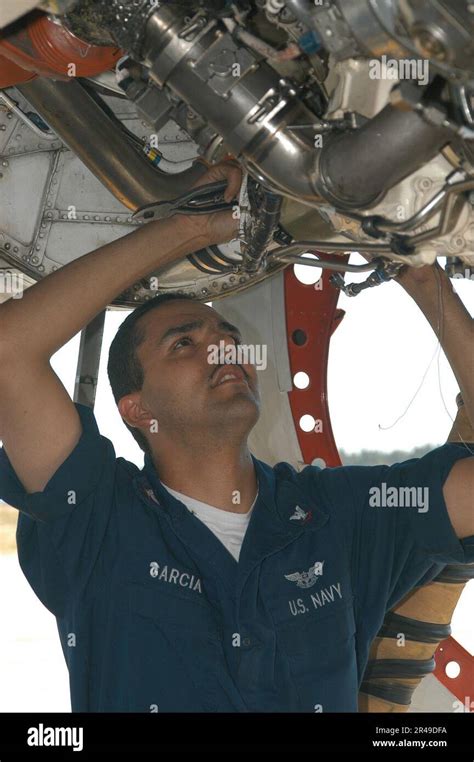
{"x":8,"y":520}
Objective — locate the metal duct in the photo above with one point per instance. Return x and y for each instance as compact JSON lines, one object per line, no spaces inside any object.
{"x":101,"y":143}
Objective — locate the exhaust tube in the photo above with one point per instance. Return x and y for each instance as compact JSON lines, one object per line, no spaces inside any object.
{"x":356,"y":168}
{"x":99,"y":140}
{"x":265,"y":124}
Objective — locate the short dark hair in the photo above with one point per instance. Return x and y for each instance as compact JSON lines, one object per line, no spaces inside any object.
{"x":124,"y":369}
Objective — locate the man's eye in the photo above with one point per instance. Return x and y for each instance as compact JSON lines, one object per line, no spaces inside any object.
{"x":182,"y":341}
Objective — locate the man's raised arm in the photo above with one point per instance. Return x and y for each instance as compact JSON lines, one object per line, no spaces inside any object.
{"x":39,"y":424}
{"x":433,"y":292}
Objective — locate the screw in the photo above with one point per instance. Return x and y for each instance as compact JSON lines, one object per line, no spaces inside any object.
{"x":7,"y":246}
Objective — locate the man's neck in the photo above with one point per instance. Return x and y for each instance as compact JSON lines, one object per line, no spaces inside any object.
{"x":225,"y":478}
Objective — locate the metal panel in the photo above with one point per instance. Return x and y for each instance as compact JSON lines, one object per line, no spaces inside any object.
{"x":14,"y":9}
{"x":260,"y":315}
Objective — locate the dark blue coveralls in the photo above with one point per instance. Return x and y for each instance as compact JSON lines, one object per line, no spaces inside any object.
{"x":165,"y":619}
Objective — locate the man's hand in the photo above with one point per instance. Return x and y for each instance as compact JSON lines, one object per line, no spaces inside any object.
{"x":218,"y":227}
{"x":413,"y":277}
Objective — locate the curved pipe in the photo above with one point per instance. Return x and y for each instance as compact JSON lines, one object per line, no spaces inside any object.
{"x":102,"y":145}
{"x":356,"y":167}
{"x":265,"y":124}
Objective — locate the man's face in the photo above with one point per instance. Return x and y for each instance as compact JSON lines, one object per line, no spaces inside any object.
{"x":181,"y":388}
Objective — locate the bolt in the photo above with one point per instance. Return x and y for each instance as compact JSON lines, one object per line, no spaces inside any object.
{"x":7,"y":246}
{"x":35,"y":260}
{"x":97,"y":217}
{"x":5,"y":163}
{"x":16,"y":249}
{"x":3,"y":127}
{"x":107,"y":219}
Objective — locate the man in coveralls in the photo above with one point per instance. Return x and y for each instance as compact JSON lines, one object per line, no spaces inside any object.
{"x":208,"y":581}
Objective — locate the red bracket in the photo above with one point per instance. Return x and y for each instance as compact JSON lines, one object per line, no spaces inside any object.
{"x":311,"y":318}
{"x":461,"y":686}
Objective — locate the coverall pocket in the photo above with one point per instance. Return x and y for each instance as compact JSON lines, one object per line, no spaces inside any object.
{"x":319,"y":642}
{"x":174,"y":645}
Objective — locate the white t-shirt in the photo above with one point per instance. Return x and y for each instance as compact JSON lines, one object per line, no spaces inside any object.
{"x":228,"y":527}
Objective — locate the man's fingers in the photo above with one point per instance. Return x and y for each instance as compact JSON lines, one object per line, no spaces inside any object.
{"x":234,"y":180}
{"x":226,"y":170}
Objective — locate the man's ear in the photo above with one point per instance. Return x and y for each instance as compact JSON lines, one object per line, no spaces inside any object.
{"x":136,"y":414}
